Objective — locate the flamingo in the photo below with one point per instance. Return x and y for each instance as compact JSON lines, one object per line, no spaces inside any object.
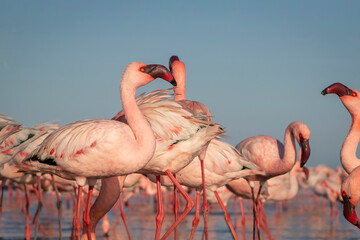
{"x":87,"y":150}
{"x":351,"y":100}
{"x":178,"y":69}
{"x":274,"y":157}
{"x":349,"y":190}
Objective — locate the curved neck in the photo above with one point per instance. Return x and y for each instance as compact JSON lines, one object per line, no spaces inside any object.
{"x":140,"y":127}
{"x":288,"y":160}
{"x":179,"y":74}
{"x":348,"y":150}
{"x":108,"y":196}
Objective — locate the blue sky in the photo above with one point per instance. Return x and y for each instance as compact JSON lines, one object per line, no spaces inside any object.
{"x":258,"y":65}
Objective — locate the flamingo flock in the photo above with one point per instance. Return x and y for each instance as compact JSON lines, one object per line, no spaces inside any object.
{"x":157,"y":143}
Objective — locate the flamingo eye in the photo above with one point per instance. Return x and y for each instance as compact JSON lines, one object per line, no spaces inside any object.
{"x":354,"y":94}
{"x":142,"y":69}
{"x":343,"y":194}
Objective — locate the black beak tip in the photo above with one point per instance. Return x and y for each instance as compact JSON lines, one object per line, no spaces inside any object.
{"x":324,"y":92}
{"x":173,"y":82}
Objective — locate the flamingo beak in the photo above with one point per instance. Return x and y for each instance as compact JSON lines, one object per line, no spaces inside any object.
{"x":305,"y":150}
{"x":339,"y":89}
{"x":349,"y":212}
{"x":306,"y":171}
{"x":159,"y":71}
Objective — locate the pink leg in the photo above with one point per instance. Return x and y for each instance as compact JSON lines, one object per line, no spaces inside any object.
{"x":39,"y":207}
{"x":10,"y":191}
{"x":2,"y":197}
{"x":77,"y":224}
{"x":176,"y":208}
{"x":123,"y":215}
{"x":227,"y":215}
{"x":160,"y":215}
{"x":197,"y":215}
{"x":189,"y":205}
{"x":242,"y":217}
{"x":205,"y":206}
{"x":86,"y":218}
{"x":336,"y":214}
{"x":265,"y":226}
{"x":254,"y":213}
{"x":235,"y":212}
{"x":116,"y":213}
{"x":27,"y":204}
{"x":58,"y":205}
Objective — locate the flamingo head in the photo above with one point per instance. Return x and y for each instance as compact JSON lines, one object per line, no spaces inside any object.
{"x":349,"y":97}
{"x":158,"y":71}
{"x":172,"y":60}
{"x":349,"y":210}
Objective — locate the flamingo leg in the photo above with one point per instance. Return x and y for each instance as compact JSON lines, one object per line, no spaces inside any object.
{"x":86,"y":218}
{"x":38,"y":210}
{"x":265,"y":225}
{"x":257,"y":210}
{"x":58,"y":205}
{"x":189,"y":203}
{"x":27,"y":204}
{"x":242,"y":217}
{"x":226,"y":215}
{"x":197,"y":215}
{"x":116,"y":214}
{"x":254,"y":213}
{"x":160,"y":215}
{"x":205,"y":206}
{"x":2,"y":197}
{"x":176,"y":208}
{"x":123,"y":215}
{"x":77,"y":224}
{"x":235,"y":212}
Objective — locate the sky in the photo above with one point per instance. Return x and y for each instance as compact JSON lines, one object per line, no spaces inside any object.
{"x":257,"y":65}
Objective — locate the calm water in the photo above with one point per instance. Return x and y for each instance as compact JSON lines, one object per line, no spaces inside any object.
{"x":298,"y":221}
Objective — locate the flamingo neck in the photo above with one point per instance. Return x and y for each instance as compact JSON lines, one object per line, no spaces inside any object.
{"x":289,"y":158}
{"x":108,"y":196}
{"x":140,"y":127}
{"x":179,"y":74}
{"x":348,"y":156}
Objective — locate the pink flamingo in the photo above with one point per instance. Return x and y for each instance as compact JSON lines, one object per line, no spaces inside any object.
{"x":178,"y":69}
{"x":88,"y":150}
{"x":349,"y":190}
{"x":274,"y":157}
{"x":167,"y":160}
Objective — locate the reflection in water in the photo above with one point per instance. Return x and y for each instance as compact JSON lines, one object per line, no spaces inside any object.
{"x":298,"y":221}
